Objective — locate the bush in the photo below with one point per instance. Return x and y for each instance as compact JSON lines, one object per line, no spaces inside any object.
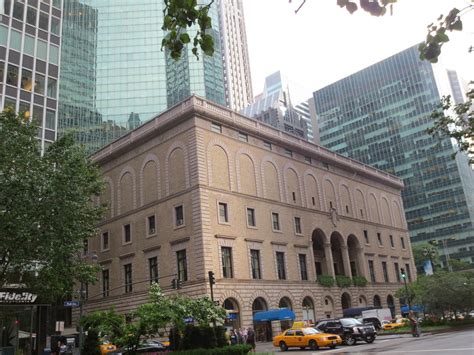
{"x":91,"y":342}
{"x":360,"y":281}
{"x":220,"y":336}
{"x":343,"y":281}
{"x":240,"y":349}
{"x":326,"y":280}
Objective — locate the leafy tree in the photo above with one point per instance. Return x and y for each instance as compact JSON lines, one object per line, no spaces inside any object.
{"x":456,"y":121}
{"x":91,"y":343}
{"x":459,"y":265}
{"x":418,"y":255}
{"x":46,"y":211}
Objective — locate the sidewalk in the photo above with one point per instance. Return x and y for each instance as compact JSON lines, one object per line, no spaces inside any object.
{"x":265,"y":347}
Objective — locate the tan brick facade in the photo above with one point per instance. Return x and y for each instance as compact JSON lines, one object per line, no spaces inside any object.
{"x":310,"y":206}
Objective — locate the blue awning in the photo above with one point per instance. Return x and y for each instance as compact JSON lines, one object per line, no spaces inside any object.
{"x":274,"y":314}
{"x":354,"y":312}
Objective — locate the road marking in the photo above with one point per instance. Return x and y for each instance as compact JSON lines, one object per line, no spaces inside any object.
{"x":427,"y":350}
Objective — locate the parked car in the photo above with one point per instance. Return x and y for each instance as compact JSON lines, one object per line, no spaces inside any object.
{"x":107,"y":347}
{"x":306,"y":337}
{"x":349,"y":329}
{"x":396,"y":323}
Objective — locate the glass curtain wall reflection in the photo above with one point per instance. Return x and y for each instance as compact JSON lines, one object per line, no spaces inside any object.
{"x":114,"y":76}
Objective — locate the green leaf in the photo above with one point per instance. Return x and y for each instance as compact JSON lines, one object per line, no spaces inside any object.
{"x":184,"y":37}
{"x":342,"y":3}
{"x":456,"y":25}
{"x":441,"y":37}
{"x":351,"y":7}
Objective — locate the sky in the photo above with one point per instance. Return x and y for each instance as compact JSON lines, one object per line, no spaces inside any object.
{"x":324,"y":43}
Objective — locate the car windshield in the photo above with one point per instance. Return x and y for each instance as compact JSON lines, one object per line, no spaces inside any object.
{"x":350,"y":322}
{"x":310,"y":331}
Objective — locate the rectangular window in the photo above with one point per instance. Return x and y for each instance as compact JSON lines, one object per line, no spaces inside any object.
{"x":298,"y":225}
{"x":280,"y":258}
{"x":223,"y":213}
{"x":275,"y":221}
{"x":153,"y":269}
{"x":26,"y":80}
{"x":31,"y":16}
{"x":41,"y":49}
{"x":50,"y":120}
{"x":353,"y":268}
{"x":372,"y":271}
{"x":385,"y":271}
{"x":128,"y":278}
{"x":15,"y":40}
{"x":251,"y":222}
{"x":151,"y":225}
{"x":55,"y":26}
{"x":215,"y":127}
{"x":307,"y":160}
{"x":43,"y":21}
{"x":12,"y":75}
{"x":227,"y":271}
{"x":392,"y":244}
{"x":18,"y":9}
{"x":379,"y":238}
{"x":319,"y":268}
{"x":182,"y":265}
{"x":39,"y":84}
{"x":127,"y":233}
{"x":303,"y":267}
{"x":397,"y":271}
{"x":179,"y":215}
{"x":255,"y":263}
{"x":407,"y":268}
{"x":243,"y":137}
{"x":53,"y":54}
{"x":52,"y":88}
{"x":288,"y":152}
{"x":105,"y":283}
{"x":402,"y":240}
{"x":313,"y":201}
{"x":366,"y":237}
{"x":105,"y":241}
{"x":267,"y":145}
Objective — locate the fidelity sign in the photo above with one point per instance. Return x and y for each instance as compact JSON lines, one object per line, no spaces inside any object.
{"x":17,"y":297}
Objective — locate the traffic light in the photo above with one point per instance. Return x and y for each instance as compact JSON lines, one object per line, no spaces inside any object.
{"x":179,"y":284}
{"x":403,"y":274}
{"x":174,"y":284}
{"x":212,"y":279}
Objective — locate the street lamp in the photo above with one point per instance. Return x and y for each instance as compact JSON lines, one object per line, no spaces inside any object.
{"x":93,"y":257}
{"x":404,"y":277}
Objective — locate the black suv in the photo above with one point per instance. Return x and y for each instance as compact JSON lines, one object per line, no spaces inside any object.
{"x":349,"y":329}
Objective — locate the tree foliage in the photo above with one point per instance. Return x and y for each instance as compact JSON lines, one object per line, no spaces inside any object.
{"x":443,"y":292}
{"x":456,"y":121}
{"x":179,"y":15}
{"x":419,"y":257}
{"x":160,"y":314}
{"x":46,"y":211}
{"x":374,"y":7}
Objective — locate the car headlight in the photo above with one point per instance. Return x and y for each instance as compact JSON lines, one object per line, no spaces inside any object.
{"x":355,"y":330}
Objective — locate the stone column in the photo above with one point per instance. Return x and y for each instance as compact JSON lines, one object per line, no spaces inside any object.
{"x":362,"y":263}
{"x":329,"y":260}
{"x":346,"y":261}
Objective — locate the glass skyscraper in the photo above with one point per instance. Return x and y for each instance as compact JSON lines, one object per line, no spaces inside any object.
{"x":379,"y":116}
{"x":114,"y":75}
{"x":30,"y":37}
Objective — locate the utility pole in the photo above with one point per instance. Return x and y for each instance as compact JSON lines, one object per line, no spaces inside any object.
{"x":212,"y":282}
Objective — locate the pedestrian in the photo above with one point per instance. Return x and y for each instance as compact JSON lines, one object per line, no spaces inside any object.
{"x":233,"y":337}
{"x":244,"y":335}
{"x":415,"y":327}
{"x":251,"y":339}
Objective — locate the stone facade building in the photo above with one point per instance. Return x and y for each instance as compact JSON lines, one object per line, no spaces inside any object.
{"x":201,"y":188}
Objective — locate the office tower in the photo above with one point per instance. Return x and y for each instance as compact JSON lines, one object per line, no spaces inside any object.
{"x":379,"y":116}
{"x":30,"y":37}
{"x":114,"y":75}
{"x":274,"y":107}
{"x":238,"y":82}
{"x":269,"y":214}
{"x":305,"y":112}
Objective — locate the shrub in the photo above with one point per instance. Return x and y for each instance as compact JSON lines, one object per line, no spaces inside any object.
{"x":326,"y":280}
{"x":343,"y":281}
{"x":240,"y":349}
{"x":220,"y":335}
{"x":91,"y":342}
{"x":360,"y":281}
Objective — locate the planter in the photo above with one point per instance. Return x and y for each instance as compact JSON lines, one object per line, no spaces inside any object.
{"x":360,"y":281}
{"x":343,"y":281}
{"x":326,"y":280}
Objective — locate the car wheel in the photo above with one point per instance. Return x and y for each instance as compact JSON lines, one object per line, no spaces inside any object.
{"x":313,"y":345}
{"x":369,"y":339}
{"x":283,"y":346}
{"x":332,"y":347}
{"x":302,"y":347}
{"x":349,"y":340}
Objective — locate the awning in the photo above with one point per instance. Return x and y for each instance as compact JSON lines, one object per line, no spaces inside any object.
{"x":416,"y":308}
{"x":355,"y":312}
{"x":274,"y":314}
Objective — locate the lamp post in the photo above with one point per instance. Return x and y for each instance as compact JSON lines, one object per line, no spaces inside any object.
{"x":404,"y":277}
{"x":82,"y":299}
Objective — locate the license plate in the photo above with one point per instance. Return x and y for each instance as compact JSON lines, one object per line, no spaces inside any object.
{"x":334,"y":342}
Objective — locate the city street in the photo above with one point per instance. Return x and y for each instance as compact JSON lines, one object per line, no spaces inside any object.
{"x":461,"y":342}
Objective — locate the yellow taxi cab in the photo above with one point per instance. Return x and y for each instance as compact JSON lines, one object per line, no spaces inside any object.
{"x":306,"y":337}
{"x":106,"y":348}
{"x":395,"y":323}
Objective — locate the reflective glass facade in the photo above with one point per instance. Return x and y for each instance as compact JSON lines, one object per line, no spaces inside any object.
{"x":114,"y":75}
{"x":379,"y":116}
{"x":29,"y":61}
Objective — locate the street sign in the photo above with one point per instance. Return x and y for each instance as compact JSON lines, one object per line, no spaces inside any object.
{"x":71,"y":303}
{"x":189,"y":320}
